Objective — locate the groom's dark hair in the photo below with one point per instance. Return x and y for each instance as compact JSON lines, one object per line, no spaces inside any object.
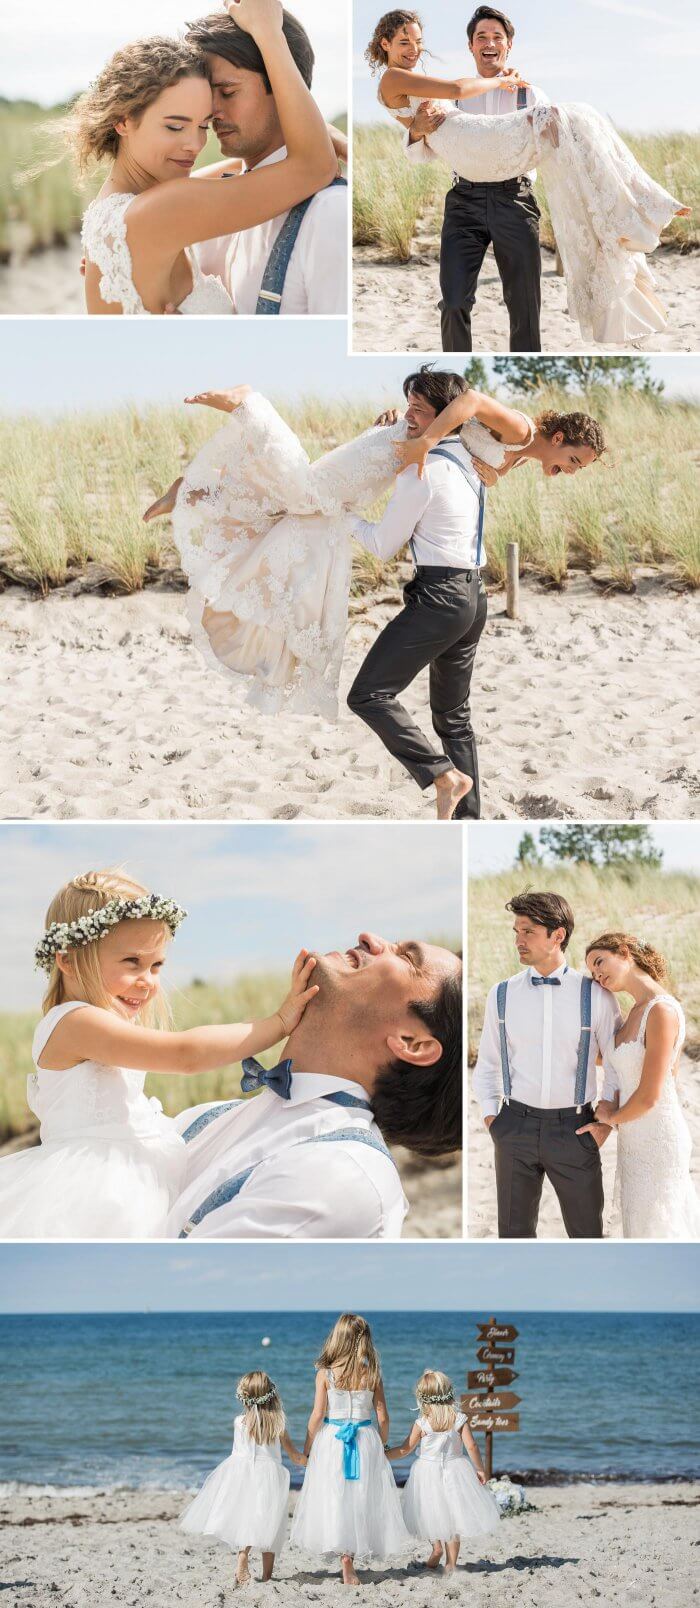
{"x":546,"y":910}
{"x":219,"y":35}
{"x":482,"y":14}
{"x":437,"y":386}
{"x":421,"y":1106}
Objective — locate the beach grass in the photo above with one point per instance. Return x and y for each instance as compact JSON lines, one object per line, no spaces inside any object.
{"x":654,"y":905}
{"x":390,"y":195}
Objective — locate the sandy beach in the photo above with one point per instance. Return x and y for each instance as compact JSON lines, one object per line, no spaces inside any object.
{"x":616,"y":1544}
{"x":44,"y":282}
{"x":482,"y":1220}
{"x":380,"y":285}
{"x":111,"y":714}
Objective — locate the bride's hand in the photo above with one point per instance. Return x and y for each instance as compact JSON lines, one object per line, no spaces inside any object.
{"x":390,"y":416}
{"x":256,"y":16}
{"x":604,"y":1111}
{"x":509,"y":78}
{"x":486,"y":472}
{"x":300,"y":994}
{"x":414,"y":451}
{"x":223,"y":401}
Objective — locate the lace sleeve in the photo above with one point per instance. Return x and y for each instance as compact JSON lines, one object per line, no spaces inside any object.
{"x":105,"y":244}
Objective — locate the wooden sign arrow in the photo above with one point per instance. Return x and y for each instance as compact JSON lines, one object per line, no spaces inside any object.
{"x":495,"y":1354}
{"x":495,"y":1423}
{"x":487,"y":1377}
{"x":497,"y":1401}
{"x":497,"y":1331}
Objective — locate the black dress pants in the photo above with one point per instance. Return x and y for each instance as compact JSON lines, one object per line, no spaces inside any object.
{"x":440,"y":625}
{"x":476,"y":216}
{"x":531,"y":1145}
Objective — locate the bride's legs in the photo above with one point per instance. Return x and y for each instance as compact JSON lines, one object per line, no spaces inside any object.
{"x":435,"y":1557}
{"x":242,"y":1570}
{"x":348,"y":1568}
{"x":268,"y":1564}
{"x":451,"y":1555}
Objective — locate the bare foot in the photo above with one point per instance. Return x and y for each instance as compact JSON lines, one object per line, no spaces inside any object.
{"x":449,"y":1568}
{"x":164,"y":504}
{"x":242,"y":1570}
{"x":450,"y":788}
{"x":349,"y":1576}
{"x":434,"y":1560}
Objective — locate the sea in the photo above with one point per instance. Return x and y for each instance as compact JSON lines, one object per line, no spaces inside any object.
{"x":146,"y":1400}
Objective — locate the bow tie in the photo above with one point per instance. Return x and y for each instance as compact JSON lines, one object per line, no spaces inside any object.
{"x":279,"y":1078}
{"x":554,"y":982}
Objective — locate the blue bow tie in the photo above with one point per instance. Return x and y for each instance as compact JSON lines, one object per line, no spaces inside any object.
{"x":279,"y":1078}
{"x":554,"y":982}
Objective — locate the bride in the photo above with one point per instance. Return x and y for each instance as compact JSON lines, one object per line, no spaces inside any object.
{"x":655,"y":1196}
{"x":150,"y":110}
{"x":263,"y":534}
{"x":606,"y":212}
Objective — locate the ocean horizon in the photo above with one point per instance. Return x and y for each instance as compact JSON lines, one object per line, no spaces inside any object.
{"x":144,"y":1400}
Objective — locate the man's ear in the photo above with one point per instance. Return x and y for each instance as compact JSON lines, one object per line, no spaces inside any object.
{"x":416,"y":1050}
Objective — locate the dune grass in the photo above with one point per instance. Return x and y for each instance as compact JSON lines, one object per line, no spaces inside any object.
{"x":73,"y":491}
{"x":655,"y":905}
{"x":390,"y":195}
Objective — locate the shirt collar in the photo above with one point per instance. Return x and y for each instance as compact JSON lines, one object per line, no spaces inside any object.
{"x":308,"y":1086}
{"x":533,"y":972}
{"x":267,"y":161}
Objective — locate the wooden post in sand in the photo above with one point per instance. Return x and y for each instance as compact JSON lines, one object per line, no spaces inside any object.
{"x":513,"y":580}
{"x":489,"y":1410}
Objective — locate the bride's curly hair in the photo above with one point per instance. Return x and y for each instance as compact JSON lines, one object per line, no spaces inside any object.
{"x":387,"y":26}
{"x":130,"y":82}
{"x":644,"y":955}
{"x":578,"y":429}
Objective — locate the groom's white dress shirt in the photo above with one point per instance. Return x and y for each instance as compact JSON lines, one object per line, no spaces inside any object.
{"x":493,"y":103}
{"x":317,"y":275}
{"x":543,"y":1028}
{"x":334,"y":1190}
{"x":440,"y":513}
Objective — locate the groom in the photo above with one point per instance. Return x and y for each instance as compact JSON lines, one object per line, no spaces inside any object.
{"x":296,"y":262}
{"x":444,"y":613}
{"x":504,"y":215}
{"x":376,"y":1057}
{"x":535,"y":1077}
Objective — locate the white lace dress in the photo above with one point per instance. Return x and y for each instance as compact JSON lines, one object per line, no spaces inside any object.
{"x":263,"y":537}
{"x":244,"y":1501}
{"x":442,"y":1497}
{"x":482,"y":443}
{"x":105,"y":243}
{"x":655,"y":1197}
{"x":335,"y":1514}
{"x":598,"y":197}
{"x":109,"y":1164}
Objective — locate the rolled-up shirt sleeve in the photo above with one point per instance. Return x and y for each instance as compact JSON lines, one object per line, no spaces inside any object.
{"x":405,"y":507}
{"x":487,"y":1079}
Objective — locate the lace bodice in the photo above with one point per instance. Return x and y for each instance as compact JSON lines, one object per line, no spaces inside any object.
{"x":399,"y":112}
{"x":352,"y":1405}
{"x":439,"y":1445}
{"x":625,"y":1061}
{"x":654,"y":1197}
{"x":88,"y":1097}
{"x":482,"y":443}
{"x":245,"y":1446}
{"x":105,"y":243}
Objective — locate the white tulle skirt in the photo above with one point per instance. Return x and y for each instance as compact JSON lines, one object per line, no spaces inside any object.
{"x":606,"y":211}
{"x":91,"y":1188}
{"x":444,"y":1500}
{"x":363,"y":1516}
{"x":243,"y":1502}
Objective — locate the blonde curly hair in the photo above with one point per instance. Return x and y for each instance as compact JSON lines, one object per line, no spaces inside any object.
{"x":76,"y":898}
{"x":130,"y":82}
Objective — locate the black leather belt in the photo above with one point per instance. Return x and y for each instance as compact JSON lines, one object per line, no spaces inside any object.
{"x":433,"y":572}
{"x":485,"y":184}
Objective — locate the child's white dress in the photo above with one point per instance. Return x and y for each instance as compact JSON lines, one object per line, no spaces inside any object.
{"x":442,"y":1497}
{"x":349,"y":1501}
{"x":244,"y":1500}
{"x":109,"y":1165}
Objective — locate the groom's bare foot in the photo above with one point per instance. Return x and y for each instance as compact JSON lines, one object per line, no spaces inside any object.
{"x":349,"y":1576}
{"x":452,"y":786}
{"x":434,"y":1560}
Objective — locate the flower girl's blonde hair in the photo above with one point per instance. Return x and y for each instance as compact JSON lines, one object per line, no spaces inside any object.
{"x":436,"y":1398}
{"x":350,"y":1354}
{"x":264,"y":1414}
{"x":77,"y":898}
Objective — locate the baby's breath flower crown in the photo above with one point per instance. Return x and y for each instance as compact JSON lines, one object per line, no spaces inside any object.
{"x":64,"y":935}
{"x":255,"y":1401}
{"x":437,"y":1398}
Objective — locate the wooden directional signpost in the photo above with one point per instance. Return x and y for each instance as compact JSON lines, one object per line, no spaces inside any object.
{"x":489,"y":1408}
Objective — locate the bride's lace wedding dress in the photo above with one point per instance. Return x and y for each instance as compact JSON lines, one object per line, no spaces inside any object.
{"x":606,"y":211}
{"x":655,"y":1197}
{"x":263,"y":536}
{"x":105,"y":244}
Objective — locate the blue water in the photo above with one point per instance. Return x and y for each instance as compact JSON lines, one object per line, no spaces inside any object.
{"x":141,"y":1400}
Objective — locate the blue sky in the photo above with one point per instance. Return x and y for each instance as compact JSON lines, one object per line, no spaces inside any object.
{"x":49,"y":51}
{"x":63,"y":364}
{"x":379,"y":1277}
{"x":493,"y":845}
{"x":256,"y":894}
{"x":636,"y":62}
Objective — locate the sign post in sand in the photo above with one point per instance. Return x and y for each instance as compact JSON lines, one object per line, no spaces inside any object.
{"x":489,"y":1408}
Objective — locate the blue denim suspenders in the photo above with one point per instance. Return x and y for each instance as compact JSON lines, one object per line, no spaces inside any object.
{"x":270,"y":294}
{"x":583,"y":1043}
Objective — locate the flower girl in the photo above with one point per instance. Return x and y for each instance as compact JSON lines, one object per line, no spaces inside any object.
{"x":444,"y":1498}
{"x":110,"y":1163}
{"x":244,"y":1500}
{"x":349,"y":1503}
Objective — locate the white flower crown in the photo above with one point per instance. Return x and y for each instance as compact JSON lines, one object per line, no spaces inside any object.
{"x":437,"y":1398}
{"x":64,"y":935}
{"x":256,"y":1401}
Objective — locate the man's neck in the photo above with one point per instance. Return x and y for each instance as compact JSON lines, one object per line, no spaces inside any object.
{"x":548,"y":967}
{"x":261,"y":154}
{"x":316,"y":1051}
